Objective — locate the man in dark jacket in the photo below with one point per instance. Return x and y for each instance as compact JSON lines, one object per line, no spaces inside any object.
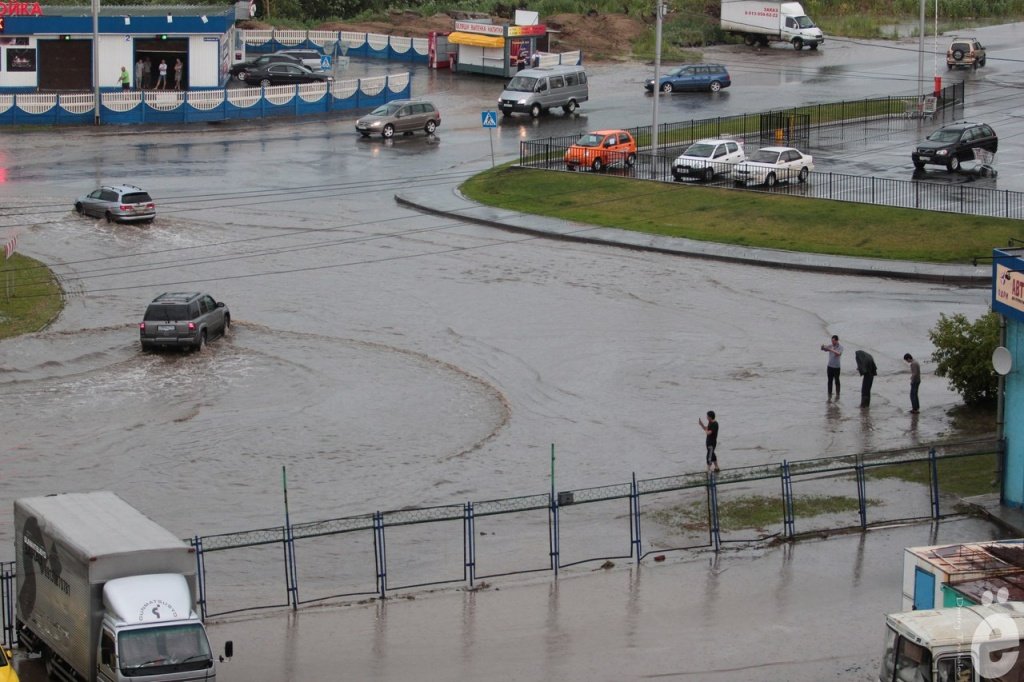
{"x":867,"y":369}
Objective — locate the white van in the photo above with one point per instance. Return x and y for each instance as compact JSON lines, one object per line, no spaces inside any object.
{"x":535,"y":91}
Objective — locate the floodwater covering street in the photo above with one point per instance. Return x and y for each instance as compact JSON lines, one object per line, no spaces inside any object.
{"x":390,"y":359}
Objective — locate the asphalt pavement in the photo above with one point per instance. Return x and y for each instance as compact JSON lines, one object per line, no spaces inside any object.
{"x":454,"y":205}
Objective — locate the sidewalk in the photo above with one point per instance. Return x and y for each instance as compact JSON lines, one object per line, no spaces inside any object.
{"x":451,"y":204}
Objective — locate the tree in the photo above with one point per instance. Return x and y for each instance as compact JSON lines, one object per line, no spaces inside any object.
{"x":963,"y":353}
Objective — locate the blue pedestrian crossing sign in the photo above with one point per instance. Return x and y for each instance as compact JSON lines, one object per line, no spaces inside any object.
{"x":489,"y":119}
{"x":325,"y":62}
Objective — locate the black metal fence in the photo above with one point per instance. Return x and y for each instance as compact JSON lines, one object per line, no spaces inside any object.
{"x":372,"y":555}
{"x":816,"y":126}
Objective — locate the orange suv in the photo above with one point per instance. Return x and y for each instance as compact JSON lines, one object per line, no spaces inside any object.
{"x":601,"y":149}
{"x":965,"y":52}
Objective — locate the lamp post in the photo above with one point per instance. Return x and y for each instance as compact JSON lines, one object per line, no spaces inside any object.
{"x":920,"y":59}
{"x":95,"y":60}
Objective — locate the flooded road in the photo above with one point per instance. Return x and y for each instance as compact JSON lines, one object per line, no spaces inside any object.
{"x":391,"y":359}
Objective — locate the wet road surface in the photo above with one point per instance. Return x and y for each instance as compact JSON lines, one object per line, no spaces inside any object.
{"x":388,"y":358}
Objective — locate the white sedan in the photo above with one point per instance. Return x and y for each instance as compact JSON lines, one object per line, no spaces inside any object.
{"x":772,"y":165}
{"x":705,"y":159}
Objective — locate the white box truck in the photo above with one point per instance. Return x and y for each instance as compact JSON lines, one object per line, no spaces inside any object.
{"x":959,"y":644}
{"x":104,"y":593}
{"x":761,"y":22}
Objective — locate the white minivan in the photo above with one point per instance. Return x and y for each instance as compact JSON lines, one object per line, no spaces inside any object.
{"x":536,"y":91}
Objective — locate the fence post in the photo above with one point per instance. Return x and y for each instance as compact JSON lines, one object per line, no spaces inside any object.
{"x":7,"y":578}
{"x":788,"y":523}
{"x":933,"y":468}
{"x":634,"y":512}
{"x":469,"y":542}
{"x":715,"y":531}
{"x":553,"y":531}
{"x":290,"y":572}
{"x":379,"y":554}
{"x":197,"y":542}
{"x":862,"y":503}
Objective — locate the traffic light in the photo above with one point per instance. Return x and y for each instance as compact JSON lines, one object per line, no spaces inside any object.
{"x":65,"y":37}
{"x":162,"y":36}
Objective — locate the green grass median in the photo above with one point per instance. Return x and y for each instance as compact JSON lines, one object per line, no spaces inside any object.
{"x":745,"y":218}
{"x":30,"y":296}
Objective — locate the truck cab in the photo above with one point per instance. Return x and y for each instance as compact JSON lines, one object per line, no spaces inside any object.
{"x":149,"y":629}
{"x":959,"y":644}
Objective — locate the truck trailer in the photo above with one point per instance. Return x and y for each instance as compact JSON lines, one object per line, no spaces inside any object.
{"x":104,"y":593}
{"x":759,"y":23}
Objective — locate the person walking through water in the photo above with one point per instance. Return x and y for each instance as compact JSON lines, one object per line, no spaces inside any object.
{"x":711,"y":441}
{"x":915,"y":382}
{"x":868,"y":370}
{"x":835,"y":351}
{"x":161,"y":81}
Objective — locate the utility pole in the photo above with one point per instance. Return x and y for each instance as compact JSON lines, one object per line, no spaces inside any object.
{"x":659,"y":9}
{"x":95,"y":59}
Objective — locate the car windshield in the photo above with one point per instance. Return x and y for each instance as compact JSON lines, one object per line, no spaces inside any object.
{"x":166,"y":313}
{"x":804,"y":22}
{"x":945,"y":135}
{"x":764,"y":156}
{"x":701,"y":150}
{"x":386,"y":109}
{"x":590,"y":140}
{"x":521,"y":84}
{"x":136,"y":198}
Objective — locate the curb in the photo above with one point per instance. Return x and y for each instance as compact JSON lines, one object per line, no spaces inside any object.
{"x":769,"y":258}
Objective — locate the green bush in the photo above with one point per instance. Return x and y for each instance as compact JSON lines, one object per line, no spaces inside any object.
{"x":963,"y":351}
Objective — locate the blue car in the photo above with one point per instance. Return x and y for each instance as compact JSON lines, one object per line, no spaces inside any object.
{"x":711,"y":77}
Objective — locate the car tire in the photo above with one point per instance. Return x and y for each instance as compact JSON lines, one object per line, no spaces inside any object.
{"x":677,"y":177}
{"x":79,"y":209}
{"x":430,"y":127}
{"x":974,"y":66}
{"x":597,"y":165}
{"x":918,"y":165}
{"x":630,"y":160}
{"x":949,"y":67}
{"x":709,"y":174}
{"x":798,"y":44}
{"x":242,"y":75}
{"x":146,"y":347}
{"x":771,"y":180}
{"x":715,"y":86}
{"x":388,"y":132}
{"x":201,"y":343}
{"x":109,"y":217}
{"x":667,"y":87}
{"x":535,"y":110}
{"x":364,"y":134}
{"x":749,"y":40}
{"x":958,"y":55}
{"x":982,"y":62}
{"x":227,"y":325}
{"x":802,"y":175}
{"x":569,"y":107}
{"x":813,"y":46}
{"x":265,"y":83}
{"x":953,"y":165}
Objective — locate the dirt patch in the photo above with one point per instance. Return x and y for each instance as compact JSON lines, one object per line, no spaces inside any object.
{"x":599,"y":36}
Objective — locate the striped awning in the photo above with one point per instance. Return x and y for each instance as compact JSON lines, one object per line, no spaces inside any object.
{"x":475,"y":39}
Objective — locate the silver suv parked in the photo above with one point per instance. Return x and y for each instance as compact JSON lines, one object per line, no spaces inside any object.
{"x":183,"y":320}
{"x":120,"y":203}
{"x":400,"y":116}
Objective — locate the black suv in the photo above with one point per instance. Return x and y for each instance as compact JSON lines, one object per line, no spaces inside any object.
{"x":183,"y":320}
{"x":953,"y":143}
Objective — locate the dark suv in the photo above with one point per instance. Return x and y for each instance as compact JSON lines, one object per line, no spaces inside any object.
{"x":183,"y":320}
{"x":953,"y":143}
{"x":966,"y":53}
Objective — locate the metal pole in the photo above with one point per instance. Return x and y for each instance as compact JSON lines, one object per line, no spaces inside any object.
{"x":656,"y":90}
{"x":96,"y":60}
{"x":920,"y":59}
